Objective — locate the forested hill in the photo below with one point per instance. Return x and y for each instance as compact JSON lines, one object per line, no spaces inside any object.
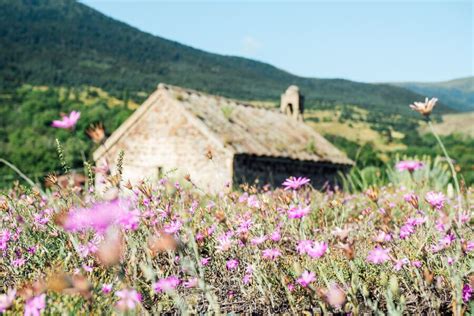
{"x":458,"y":93}
{"x":63,"y":42}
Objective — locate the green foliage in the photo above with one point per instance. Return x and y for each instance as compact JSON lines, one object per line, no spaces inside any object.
{"x":28,"y":141}
{"x":74,"y":265}
{"x":62,"y":42}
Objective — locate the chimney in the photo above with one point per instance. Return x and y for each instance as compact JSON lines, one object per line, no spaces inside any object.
{"x":292,"y":103}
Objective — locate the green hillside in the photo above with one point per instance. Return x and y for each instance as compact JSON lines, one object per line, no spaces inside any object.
{"x":457,"y":94}
{"x":62,"y":42}
{"x":60,"y":55}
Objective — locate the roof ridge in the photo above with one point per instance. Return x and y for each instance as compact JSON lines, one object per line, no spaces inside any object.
{"x":189,"y":91}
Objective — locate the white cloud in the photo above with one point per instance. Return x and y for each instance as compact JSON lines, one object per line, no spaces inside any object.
{"x":250,"y":45}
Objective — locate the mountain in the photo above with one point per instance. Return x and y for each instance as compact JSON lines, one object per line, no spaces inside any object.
{"x":66,"y":43}
{"x":457,"y":94}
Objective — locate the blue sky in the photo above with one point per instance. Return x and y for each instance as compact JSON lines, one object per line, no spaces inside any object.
{"x":372,"y":41}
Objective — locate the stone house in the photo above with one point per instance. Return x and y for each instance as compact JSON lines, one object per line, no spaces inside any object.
{"x":218,"y":141}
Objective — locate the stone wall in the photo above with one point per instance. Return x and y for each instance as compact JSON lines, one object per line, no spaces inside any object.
{"x":273,"y":171}
{"x":164,"y":139}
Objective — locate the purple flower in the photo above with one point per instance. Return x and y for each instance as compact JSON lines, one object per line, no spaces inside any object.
{"x":232,"y":264}
{"x":67,"y":121}
{"x":298,"y":212}
{"x":293,"y":183}
{"x":6,"y":300}
{"x":435,"y":199}
{"x":106,"y":288}
{"x":166,"y":284}
{"x":5,"y":236}
{"x":129,"y":298}
{"x":409,"y":165}
{"x":306,"y":278}
{"x":378,"y":255}
{"x":406,"y":230}
{"x":467,"y":293}
{"x":271,"y":254}
{"x":447,"y":240}
{"x":35,"y":305}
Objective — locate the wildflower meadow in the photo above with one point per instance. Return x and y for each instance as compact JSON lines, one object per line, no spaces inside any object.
{"x":403,"y":247}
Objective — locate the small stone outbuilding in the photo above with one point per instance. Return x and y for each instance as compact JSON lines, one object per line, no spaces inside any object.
{"x":218,"y":141}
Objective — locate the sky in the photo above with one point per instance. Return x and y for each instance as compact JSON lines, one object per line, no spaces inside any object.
{"x":370,"y":41}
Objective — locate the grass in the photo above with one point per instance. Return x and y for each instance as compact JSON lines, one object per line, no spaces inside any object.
{"x":454,"y":123}
{"x":166,"y":229}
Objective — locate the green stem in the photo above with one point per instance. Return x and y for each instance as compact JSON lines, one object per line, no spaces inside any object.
{"x":451,"y":166}
{"x":21,"y":174}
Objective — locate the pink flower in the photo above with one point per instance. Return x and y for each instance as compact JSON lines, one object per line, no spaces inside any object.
{"x":130,"y":220}
{"x":416,"y":264}
{"x":173,"y":227}
{"x":205,"y":261}
{"x":225,"y":242}
{"x":252,"y":201}
{"x":417,"y":221}
{"x":406,"y":230}
{"x":469,"y":246}
{"x":247,"y":278}
{"x":290,"y":287}
{"x":298,"y":212}
{"x":258,"y":240}
{"x":18,"y":262}
{"x":67,"y":122}
{"x":400,"y":263}
{"x":450,"y":260}
{"x":6,"y":300}
{"x":35,"y":305}
{"x":232,"y":264}
{"x":5,"y":236}
{"x":306,"y":278}
{"x":303,"y":246}
{"x":244,"y":226}
{"x":378,"y":255}
{"x":382,"y":237}
{"x":293,"y":183}
{"x":447,"y":240}
{"x":166,"y":284}
{"x":409,"y":165}
{"x":435,"y":199}
{"x":271,"y":254}
{"x":129,"y":298}
{"x":98,"y":217}
{"x":107,"y":288}
{"x":276,"y":235}
{"x":317,"y":250}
